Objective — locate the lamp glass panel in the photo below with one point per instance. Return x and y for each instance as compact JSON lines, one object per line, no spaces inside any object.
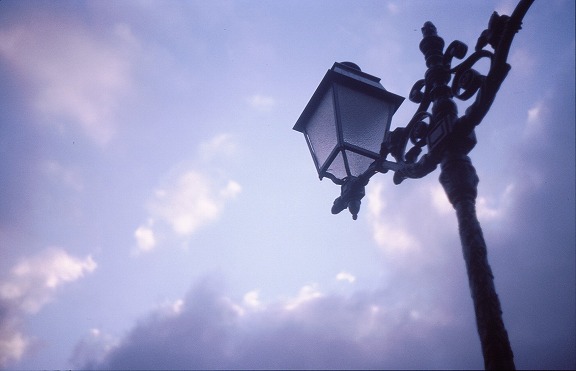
{"x":358,"y":163}
{"x":337,"y":167}
{"x":321,"y":129}
{"x":364,"y":118}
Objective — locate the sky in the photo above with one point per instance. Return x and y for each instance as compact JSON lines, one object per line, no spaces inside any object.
{"x":157,"y":211}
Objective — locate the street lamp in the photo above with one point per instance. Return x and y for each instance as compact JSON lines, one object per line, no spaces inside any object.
{"x":346,"y":125}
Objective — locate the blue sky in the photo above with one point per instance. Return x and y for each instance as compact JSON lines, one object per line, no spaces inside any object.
{"x":158,"y":211}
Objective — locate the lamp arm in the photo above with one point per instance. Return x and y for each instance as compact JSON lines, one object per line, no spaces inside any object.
{"x":463,"y":85}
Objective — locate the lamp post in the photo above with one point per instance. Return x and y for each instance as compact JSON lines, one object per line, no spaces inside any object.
{"x":346,"y":125}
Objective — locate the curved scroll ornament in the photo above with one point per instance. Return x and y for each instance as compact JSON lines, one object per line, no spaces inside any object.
{"x":436,"y":123}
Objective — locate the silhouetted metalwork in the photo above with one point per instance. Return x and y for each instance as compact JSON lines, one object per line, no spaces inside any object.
{"x":351,"y":110}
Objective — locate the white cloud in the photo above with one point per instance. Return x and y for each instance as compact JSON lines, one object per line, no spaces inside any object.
{"x":12,"y":345}
{"x":231,"y":190}
{"x":534,"y":113}
{"x":440,"y":200}
{"x":77,"y":78}
{"x":484,"y":209}
{"x":30,"y":285}
{"x":345,"y":276}
{"x":33,"y":281}
{"x":220,"y":145}
{"x":145,"y":238}
{"x":376,"y":203}
{"x":487,"y":208}
{"x":192,"y":202}
{"x":262,"y":102}
{"x":172,"y":308}
{"x":190,"y":199}
{"x":506,"y":7}
{"x":392,"y":238}
{"x":177,"y":306}
{"x":495,"y":209}
{"x":388,"y":231}
{"x":306,"y":294}
{"x":534,"y":127}
{"x":252,"y":300}
{"x":186,"y":204}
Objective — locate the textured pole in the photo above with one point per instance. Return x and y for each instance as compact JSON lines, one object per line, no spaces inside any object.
{"x":459,"y":179}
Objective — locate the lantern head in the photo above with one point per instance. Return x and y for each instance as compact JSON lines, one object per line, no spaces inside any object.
{"x":346,"y":121}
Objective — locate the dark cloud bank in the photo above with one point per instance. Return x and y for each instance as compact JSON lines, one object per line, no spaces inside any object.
{"x":330,"y":332}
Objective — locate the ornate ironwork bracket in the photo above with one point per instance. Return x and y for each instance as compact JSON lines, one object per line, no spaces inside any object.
{"x":436,"y":124}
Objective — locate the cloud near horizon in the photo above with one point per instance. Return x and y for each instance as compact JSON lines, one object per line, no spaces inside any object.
{"x":29,"y":286}
{"x":211,"y":330}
